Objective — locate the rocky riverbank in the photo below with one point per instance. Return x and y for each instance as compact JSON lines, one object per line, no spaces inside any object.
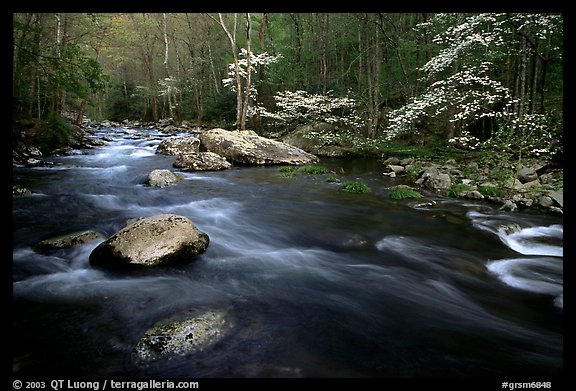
{"x":529,"y":183}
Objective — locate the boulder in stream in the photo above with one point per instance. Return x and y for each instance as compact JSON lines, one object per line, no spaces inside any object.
{"x":179,"y":145}
{"x":201,"y":161}
{"x":69,"y":240}
{"x":162,"y":178}
{"x":175,"y":337}
{"x":245,"y":148}
{"x":151,"y":241}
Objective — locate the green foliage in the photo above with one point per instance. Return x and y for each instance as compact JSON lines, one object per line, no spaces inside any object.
{"x":314,"y":169}
{"x":220,"y":107}
{"x":490,"y":191}
{"x":531,"y":135}
{"x":404,"y":192}
{"x":288,"y":175}
{"x":438,"y":152}
{"x":332,"y":179}
{"x":287,"y":172}
{"x":55,"y":133}
{"x":356,"y":187}
{"x":125,"y":101}
{"x":412,"y":172}
{"x":457,"y":188}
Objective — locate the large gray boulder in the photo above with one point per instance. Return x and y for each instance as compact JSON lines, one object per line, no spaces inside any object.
{"x":245,"y":148}
{"x":152,"y":241}
{"x":179,"y":145}
{"x":201,"y":161}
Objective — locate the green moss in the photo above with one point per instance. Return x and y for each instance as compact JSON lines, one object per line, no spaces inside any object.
{"x":404,"y":192}
{"x":286,"y":169}
{"x":356,"y":187}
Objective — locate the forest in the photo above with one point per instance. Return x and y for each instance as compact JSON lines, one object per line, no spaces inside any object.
{"x":302,"y":195}
{"x":476,"y":80}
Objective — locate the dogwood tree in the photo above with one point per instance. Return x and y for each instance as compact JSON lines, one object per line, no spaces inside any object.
{"x":462,"y":81}
{"x":301,"y":107}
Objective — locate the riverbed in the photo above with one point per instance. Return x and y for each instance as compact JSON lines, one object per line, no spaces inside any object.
{"x":317,"y":282}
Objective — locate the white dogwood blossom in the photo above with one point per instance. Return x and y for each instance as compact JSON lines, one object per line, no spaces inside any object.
{"x":463,"y":69}
{"x":299,"y":107}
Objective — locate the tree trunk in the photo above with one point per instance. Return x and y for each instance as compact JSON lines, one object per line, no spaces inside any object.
{"x":450,"y":125}
{"x":248,"y":72}
{"x":166,"y":69}
{"x":232,"y":40}
{"x":534,"y":83}
{"x":370,"y":91}
{"x":80,"y":114}
{"x":213,"y":70}
{"x":523,"y":71}
{"x":296,"y":20}
{"x":376,"y":84}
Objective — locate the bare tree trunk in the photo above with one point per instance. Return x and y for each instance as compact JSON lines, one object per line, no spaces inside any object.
{"x":370,"y":90}
{"x":232,"y":39}
{"x":248,"y":72}
{"x":256,"y":122}
{"x":376,"y":85}
{"x":296,"y":20}
{"x":450,"y":112}
{"x":360,"y":75}
{"x":523,"y":71}
{"x":57,"y":94}
{"x":168,"y":86}
{"x":78,"y":119}
{"x":213,"y":70}
{"x":533,"y":84}
{"x":545,"y":60}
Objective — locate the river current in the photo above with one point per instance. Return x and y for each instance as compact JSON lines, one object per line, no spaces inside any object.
{"x":318,"y":282}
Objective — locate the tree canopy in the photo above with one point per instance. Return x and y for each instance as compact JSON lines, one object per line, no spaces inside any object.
{"x":383,"y":76}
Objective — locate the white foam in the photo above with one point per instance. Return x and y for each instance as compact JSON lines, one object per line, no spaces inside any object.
{"x":539,"y":275}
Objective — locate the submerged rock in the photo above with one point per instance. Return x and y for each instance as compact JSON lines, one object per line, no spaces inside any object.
{"x":174,"y":337}
{"x":67,"y":241}
{"x":152,"y":241}
{"x":20,"y":191}
{"x":242,"y":148}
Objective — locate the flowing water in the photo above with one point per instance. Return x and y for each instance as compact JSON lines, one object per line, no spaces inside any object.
{"x":315,"y":282}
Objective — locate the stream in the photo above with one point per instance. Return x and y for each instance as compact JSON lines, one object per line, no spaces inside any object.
{"x":317,"y":282}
